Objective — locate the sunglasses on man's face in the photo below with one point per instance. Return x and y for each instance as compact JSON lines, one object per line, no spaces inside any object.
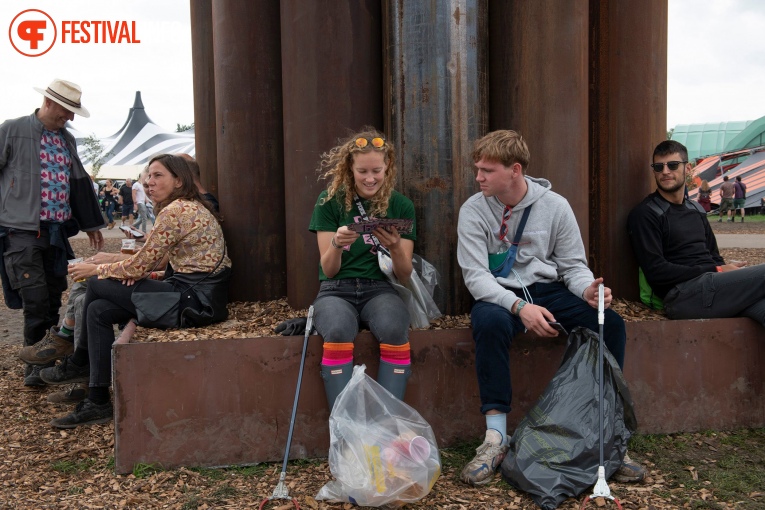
{"x":672,"y":165}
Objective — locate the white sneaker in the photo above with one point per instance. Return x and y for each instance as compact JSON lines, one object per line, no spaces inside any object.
{"x":489,"y":456}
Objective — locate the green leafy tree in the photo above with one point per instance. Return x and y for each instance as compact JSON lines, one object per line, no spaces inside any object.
{"x":94,"y":151}
{"x":179,"y":128}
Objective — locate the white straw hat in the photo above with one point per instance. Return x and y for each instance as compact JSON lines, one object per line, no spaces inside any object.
{"x":67,"y":94}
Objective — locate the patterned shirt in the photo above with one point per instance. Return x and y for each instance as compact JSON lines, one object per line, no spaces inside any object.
{"x":185,"y":231}
{"x":55,"y":169}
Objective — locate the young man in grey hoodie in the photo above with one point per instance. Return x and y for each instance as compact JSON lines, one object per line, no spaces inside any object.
{"x":549,"y":282}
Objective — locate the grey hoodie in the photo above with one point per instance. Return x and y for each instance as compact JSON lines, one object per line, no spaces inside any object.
{"x":550,"y":248}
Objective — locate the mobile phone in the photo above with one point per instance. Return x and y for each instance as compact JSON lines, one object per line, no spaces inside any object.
{"x":557,"y":326}
{"x":136,"y":233}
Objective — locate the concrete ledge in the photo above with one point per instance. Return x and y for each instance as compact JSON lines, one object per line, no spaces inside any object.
{"x":228,"y":401}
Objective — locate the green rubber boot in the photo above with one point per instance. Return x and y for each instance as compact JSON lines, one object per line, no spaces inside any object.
{"x":336,"y":377}
{"x":394,"y":378}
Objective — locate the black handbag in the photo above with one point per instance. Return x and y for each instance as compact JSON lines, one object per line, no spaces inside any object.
{"x":163,"y":310}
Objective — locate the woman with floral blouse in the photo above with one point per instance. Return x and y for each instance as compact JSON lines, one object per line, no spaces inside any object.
{"x":187,"y":232}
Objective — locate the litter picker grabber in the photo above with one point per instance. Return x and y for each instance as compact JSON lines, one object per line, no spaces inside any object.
{"x":601,"y":490}
{"x":281,"y":491}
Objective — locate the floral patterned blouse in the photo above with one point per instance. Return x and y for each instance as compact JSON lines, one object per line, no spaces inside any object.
{"x":185,"y":231}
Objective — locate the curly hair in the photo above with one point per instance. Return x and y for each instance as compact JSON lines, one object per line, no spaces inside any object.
{"x":179,"y":168}
{"x":336,"y":166}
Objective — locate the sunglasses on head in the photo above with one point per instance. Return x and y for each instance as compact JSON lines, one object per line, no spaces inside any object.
{"x":672,"y":165}
{"x":376,"y":142}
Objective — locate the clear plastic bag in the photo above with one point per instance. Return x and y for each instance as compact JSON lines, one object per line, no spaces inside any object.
{"x":417,"y":293}
{"x":382,"y":453}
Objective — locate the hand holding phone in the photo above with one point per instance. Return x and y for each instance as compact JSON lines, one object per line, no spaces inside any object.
{"x":558,"y":327}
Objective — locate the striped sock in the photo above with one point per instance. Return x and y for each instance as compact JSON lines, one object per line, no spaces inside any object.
{"x":337,"y":353}
{"x":395,"y":354}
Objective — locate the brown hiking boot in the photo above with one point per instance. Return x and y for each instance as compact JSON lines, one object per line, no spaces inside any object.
{"x":76,"y":393}
{"x":50,"y":348}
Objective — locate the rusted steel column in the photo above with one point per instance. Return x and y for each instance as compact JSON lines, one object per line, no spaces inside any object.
{"x":435,"y":107}
{"x":331,"y":83}
{"x":248,"y":103}
{"x":204,"y":92}
{"x":538,"y":86}
{"x":628,"y":115}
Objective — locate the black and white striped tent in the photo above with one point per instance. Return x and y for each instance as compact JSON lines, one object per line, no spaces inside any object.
{"x":129,"y":149}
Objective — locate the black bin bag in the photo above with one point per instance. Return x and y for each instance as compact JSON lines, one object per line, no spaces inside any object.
{"x":554,"y":452}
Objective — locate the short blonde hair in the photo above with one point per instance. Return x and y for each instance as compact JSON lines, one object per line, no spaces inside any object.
{"x":503,"y":146}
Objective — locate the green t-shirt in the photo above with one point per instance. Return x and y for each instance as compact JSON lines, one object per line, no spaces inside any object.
{"x":360,"y":261}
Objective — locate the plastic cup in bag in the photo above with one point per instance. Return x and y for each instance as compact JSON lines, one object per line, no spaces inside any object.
{"x":128,"y":246}
{"x":419,"y":449}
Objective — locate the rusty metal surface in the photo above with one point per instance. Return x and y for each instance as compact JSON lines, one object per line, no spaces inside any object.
{"x":538,"y":86}
{"x":228,"y":401}
{"x":204,"y":93}
{"x":248,"y":102}
{"x":628,"y":104}
{"x":331,"y":83}
{"x":696,"y":375}
{"x":436,"y":95}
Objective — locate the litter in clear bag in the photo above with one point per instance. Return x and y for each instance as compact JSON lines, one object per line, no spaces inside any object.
{"x":382,"y":453}
{"x":417,"y":293}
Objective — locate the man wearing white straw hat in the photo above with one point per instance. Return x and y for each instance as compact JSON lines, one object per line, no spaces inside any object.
{"x":45,"y":197}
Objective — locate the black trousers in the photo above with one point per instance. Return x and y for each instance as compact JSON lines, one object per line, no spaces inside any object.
{"x":29,"y":259}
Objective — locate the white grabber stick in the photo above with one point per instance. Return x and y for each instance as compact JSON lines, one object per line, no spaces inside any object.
{"x":601,"y":490}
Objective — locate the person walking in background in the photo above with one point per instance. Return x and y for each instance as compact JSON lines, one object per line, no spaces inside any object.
{"x":46,"y":197}
{"x":727,"y":191}
{"x":110,"y":201}
{"x":705,"y":196}
{"x":126,"y":202}
{"x":739,"y":197}
{"x":139,"y":202}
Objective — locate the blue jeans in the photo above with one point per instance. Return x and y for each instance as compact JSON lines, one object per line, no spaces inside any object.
{"x":142,"y":220}
{"x":739,"y":293}
{"x":110,"y":211}
{"x":342,"y":306}
{"x":494,"y":328}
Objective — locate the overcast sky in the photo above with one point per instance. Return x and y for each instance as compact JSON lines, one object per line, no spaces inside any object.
{"x":109,"y":74}
{"x":716,"y":62}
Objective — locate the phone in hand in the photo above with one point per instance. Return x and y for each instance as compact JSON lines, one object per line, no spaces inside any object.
{"x":558,"y":327}
{"x":135,"y":233}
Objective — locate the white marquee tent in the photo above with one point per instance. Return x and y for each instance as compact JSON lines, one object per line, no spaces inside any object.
{"x":129,"y":149}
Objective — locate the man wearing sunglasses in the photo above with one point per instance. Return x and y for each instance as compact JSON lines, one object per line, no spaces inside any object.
{"x":677,"y":250}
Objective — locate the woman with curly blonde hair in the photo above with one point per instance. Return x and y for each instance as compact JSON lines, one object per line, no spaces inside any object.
{"x":354,"y":291}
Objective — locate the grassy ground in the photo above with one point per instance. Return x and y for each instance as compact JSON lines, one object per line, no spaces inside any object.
{"x":754,"y":218}
{"x":706,"y":470}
